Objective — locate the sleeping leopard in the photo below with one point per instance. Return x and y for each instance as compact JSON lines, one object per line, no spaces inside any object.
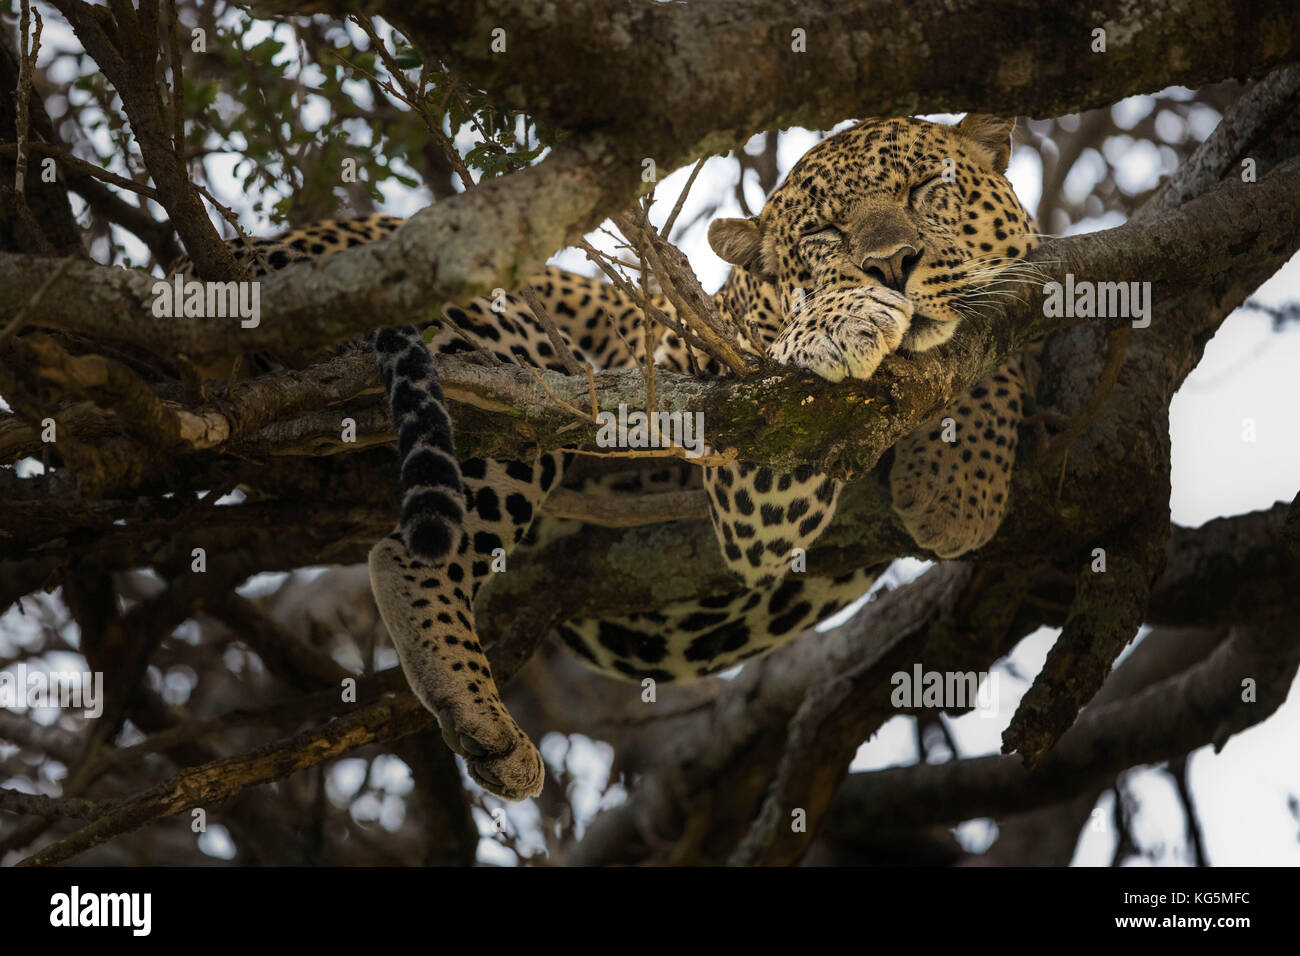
{"x":881,"y":239}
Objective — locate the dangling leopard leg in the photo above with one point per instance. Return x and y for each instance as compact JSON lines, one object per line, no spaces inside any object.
{"x":951,"y":479}
{"x":429,"y":612}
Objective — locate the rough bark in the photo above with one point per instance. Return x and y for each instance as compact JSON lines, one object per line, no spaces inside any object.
{"x":651,"y":72}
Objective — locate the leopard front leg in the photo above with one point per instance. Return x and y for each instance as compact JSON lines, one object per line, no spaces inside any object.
{"x":429,"y":612}
{"x":764,"y":518}
{"x":951,"y":480}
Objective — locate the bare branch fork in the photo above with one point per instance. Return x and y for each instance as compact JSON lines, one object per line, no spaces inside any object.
{"x":680,"y":285}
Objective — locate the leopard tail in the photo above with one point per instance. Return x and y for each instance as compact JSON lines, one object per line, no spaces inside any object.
{"x":433,"y":496}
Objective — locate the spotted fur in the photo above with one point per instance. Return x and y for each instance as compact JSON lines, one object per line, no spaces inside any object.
{"x":881,"y":239}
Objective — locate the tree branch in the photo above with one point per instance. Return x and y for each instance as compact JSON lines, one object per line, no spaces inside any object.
{"x":1202,"y":705}
{"x":648,"y":72}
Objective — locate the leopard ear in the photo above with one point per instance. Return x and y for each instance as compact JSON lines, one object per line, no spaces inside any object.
{"x":738,"y":241}
{"x":992,"y":134}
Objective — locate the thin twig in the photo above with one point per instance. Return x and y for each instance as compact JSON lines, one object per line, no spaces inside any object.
{"x":682,"y":287}
{"x":76,"y":164}
{"x":218,"y":781}
{"x":29,"y":47}
{"x":486,"y":354}
{"x":571,"y":363}
{"x":228,"y":214}
{"x":605,"y":263}
{"x":591,"y":392}
{"x":716,"y":460}
{"x":12,"y":801}
{"x":559,"y":401}
{"x":681,"y":198}
{"x":648,"y":324}
{"x":414,"y":98}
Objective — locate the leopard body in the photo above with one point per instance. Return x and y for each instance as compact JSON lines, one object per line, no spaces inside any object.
{"x":882,"y":238}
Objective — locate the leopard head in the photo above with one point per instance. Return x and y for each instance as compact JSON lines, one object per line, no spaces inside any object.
{"x":883,"y":236}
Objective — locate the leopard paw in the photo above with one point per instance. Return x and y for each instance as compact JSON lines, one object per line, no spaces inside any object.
{"x":500,"y":757}
{"x":446,"y":668}
{"x":845,"y":333}
{"x":941,"y":530}
{"x":951,"y":480}
{"x":951,"y":496}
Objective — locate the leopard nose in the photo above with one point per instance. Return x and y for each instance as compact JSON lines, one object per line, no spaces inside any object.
{"x":894,"y":268}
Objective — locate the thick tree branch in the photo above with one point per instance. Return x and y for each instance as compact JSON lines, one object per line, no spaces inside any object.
{"x":649,"y":71}
{"x":844,"y":427}
{"x":124,"y":46}
{"x":1206,"y":704}
{"x":1047,"y":835}
{"x":1109,"y":605}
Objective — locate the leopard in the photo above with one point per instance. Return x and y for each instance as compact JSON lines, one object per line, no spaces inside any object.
{"x":883,"y":238}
